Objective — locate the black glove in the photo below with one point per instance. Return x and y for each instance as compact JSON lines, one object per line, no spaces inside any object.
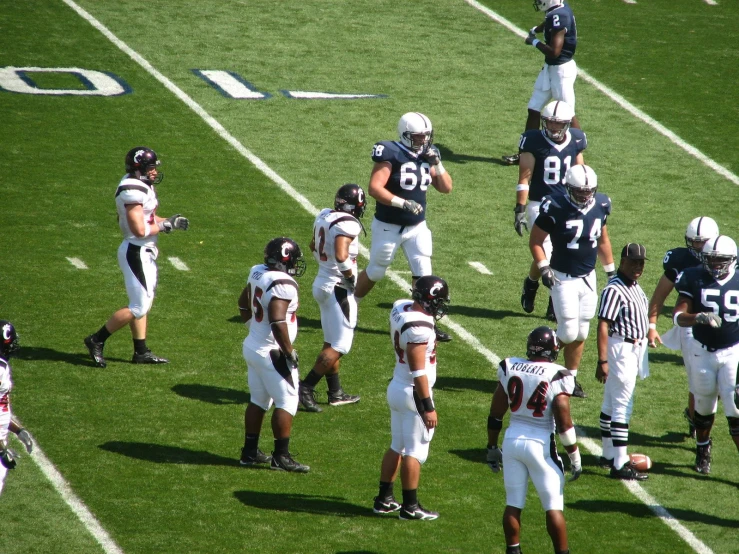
{"x":292,"y":359}
{"x":432,"y":156}
{"x":495,"y":459}
{"x":519,"y":219}
{"x":349,"y":283}
{"x":610,"y":274}
{"x":7,"y":457}
{"x":412,"y":206}
{"x":548,"y":278}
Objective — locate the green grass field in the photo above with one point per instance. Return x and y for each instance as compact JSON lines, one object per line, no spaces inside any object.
{"x":152,"y":451}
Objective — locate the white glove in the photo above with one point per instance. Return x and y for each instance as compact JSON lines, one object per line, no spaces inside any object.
{"x":519,"y":219}
{"x":708,"y":318}
{"x":548,"y":279}
{"x":25,"y":437}
{"x":349,"y":283}
{"x":292,"y":359}
{"x":412,"y":206}
{"x":495,"y":459}
{"x":532,"y":31}
{"x":575,"y":465}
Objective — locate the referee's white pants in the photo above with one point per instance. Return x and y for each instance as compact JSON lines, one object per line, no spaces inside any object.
{"x":624,"y":360}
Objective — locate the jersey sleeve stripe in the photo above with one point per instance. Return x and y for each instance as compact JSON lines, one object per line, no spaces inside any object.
{"x":343,"y":218}
{"x":122,"y":188}
{"x":276,"y":282}
{"x":411,"y":324}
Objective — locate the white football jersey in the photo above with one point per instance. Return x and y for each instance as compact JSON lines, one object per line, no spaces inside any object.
{"x":330,"y":224}
{"x":408,"y":326}
{"x":531,"y":387}
{"x":5,"y":385}
{"x":134,"y":191}
{"x":264,"y":284}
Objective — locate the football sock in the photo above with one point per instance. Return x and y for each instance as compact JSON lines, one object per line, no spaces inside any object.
{"x":410,"y":497}
{"x":281,"y":446}
{"x":386,"y":489}
{"x":333,"y":382}
{"x":252,"y":442}
{"x":311,"y":380}
{"x":605,"y":435}
{"x":102,"y":335}
{"x":139,"y":346}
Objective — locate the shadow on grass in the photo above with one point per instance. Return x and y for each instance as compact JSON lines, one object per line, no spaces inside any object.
{"x":671,"y":439}
{"x":666,"y":357}
{"x":452,"y":384}
{"x":310,"y":323}
{"x":448,"y":155}
{"x":40,"y":353}
{"x":161,"y":454}
{"x":639,"y":510}
{"x":303,"y":503}
{"x":211,"y":394}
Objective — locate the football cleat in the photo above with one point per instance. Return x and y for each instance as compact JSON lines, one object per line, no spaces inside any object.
{"x":148,"y":357}
{"x":551,"y":316}
{"x":703,"y":458}
{"x":691,"y":425}
{"x":285,"y":462}
{"x":511,"y":160}
{"x":417,"y":512}
{"x":441,"y":336}
{"x":96,"y":351}
{"x":605,"y":463}
{"x":578,"y":392}
{"x":385,"y":505}
{"x":254,"y":458}
{"x":307,"y":398}
{"x":528,"y":294}
{"x":628,"y":473}
{"x":339,"y":398}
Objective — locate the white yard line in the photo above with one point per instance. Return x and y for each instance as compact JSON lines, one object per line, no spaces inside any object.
{"x":76,"y":262}
{"x":621,"y":101}
{"x":462,"y":333}
{"x":480,"y":267}
{"x":711,"y":2}
{"x":178,"y":264}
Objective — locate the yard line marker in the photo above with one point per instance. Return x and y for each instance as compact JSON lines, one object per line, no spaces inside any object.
{"x":71,"y":499}
{"x":463,"y":334}
{"x":629,"y":1}
{"x":76,"y":262}
{"x":621,"y":101}
{"x":711,"y":2}
{"x":178,"y":264}
{"x":480,"y":267}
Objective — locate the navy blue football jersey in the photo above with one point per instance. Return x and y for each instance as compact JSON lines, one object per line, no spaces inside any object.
{"x":678,"y":260}
{"x":710,"y":295}
{"x":410,"y":176}
{"x":574,"y":232}
{"x":552,"y":160}
{"x":555,"y":20}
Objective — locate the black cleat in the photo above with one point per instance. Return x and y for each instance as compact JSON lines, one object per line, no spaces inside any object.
{"x":287,"y":463}
{"x":96,"y":351}
{"x":385,"y":505}
{"x":691,"y":424}
{"x":254,"y":458}
{"x":605,"y":463}
{"x":703,"y":458}
{"x":148,"y":357}
{"x":441,"y":336}
{"x":628,"y":473}
{"x":307,"y":398}
{"x":417,"y":512}
{"x":528,"y":294}
{"x":551,"y":316}
{"x":511,"y":160}
{"x":578,"y":392}
{"x":339,"y":398}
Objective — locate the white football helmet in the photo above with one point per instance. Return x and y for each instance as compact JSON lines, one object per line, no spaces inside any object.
{"x":719,"y":256}
{"x":556,"y":118}
{"x":544,"y":5}
{"x":700,"y":230}
{"x":415,"y":131}
{"x":581,"y":183}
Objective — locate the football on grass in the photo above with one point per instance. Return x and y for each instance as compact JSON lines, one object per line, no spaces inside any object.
{"x":641,"y":462}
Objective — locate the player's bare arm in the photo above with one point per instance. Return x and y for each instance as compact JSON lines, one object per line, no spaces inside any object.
{"x":526,"y":165}
{"x":277,"y":313}
{"x":245,"y":305}
{"x":683,"y":312}
{"x":378,"y":181}
{"x":605,"y":254}
{"x":554,"y":48}
{"x":601,"y":371}
{"x":536,"y":243}
{"x":442,"y":183}
{"x":417,"y":361}
{"x":137,"y":223}
{"x":341,"y":254}
{"x":656,"y":303}
{"x":498,"y":409}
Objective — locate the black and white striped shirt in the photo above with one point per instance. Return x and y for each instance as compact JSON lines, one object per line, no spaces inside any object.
{"x":624,"y":304}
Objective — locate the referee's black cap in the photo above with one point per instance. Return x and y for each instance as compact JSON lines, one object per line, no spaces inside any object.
{"x":634,"y":251}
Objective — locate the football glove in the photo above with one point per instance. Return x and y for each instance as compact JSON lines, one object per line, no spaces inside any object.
{"x":349,"y":283}
{"x":7,"y":457}
{"x":575,"y":464}
{"x":708,"y":318}
{"x":292,"y":359}
{"x":495,"y":459}
{"x":412,"y":206}
{"x":519,"y":219}
{"x":530,"y":38}
{"x":179,"y":222}
{"x":25,"y":437}
{"x":432,"y":156}
{"x":548,"y":279}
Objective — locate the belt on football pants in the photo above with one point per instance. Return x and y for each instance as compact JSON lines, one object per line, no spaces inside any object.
{"x":626,"y":339}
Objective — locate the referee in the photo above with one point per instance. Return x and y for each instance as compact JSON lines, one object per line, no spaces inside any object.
{"x":623,"y":324}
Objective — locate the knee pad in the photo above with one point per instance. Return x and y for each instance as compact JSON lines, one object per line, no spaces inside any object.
{"x":733,"y":426}
{"x":138,"y":311}
{"x":583,"y":330}
{"x":375,"y":271}
{"x":568,"y":330}
{"x":703,"y":421}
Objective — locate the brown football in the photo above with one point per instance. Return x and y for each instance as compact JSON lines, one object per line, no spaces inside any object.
{"x":641,"y":462}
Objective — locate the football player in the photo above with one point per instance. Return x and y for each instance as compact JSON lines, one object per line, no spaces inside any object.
{"x":538,"y":393}
{"x":267,"y":305}
{"x":136,"y":202}
{"x":556,"y":79}
{"x":546,"y":155}
{"x":699,"y":231}
{"x":335,"y":245}
{"x":413,"y":415}
{"x":402,"y":173}
{"x":576,"y":224}
{"x":8,"y":345}
{"x":707,"y":302}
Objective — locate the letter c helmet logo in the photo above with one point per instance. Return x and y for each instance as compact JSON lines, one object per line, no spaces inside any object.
{"x":434,"y":291}
{"x":284,"y":251}
{"x":6,"y":333}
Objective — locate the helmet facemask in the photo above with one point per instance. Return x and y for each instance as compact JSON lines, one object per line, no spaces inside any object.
{"x":432,"y":293}
{"x":555,"y":129}
{"x":719,"y":256}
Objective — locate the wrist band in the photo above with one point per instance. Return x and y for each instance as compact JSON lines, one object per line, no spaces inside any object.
{"x":652,"y":325}
{"x":601,"y":362}
{"x":397,"y":202}
{"x":428,"y":404}
{"x":440,"y":169}
{"x":542,"y":263}
{"x":521,"y":186}
{"x":494,"y":423}
{"x":674,"y":318}
{"x":575,"y":459}
{"x":569,"y":437}
{"x":346,"y":265}
{"x":609,"y":267}
{"x":277,"y":322}
{"x":535,"y":42}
